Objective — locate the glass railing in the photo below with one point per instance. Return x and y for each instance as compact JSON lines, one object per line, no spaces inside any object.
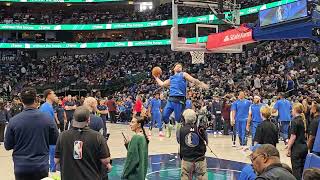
{"x":136,"y":25}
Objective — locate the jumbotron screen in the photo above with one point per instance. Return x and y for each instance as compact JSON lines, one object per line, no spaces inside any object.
{"x":283,"y":13}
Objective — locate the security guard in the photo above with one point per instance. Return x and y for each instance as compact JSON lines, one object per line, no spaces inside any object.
{"x":192,"y":142}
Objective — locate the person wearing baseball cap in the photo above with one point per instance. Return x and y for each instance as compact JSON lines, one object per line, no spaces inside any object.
{"x":82,"y":143}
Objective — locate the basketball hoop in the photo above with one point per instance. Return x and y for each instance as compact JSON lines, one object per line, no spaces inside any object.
{"x":197,"y":57}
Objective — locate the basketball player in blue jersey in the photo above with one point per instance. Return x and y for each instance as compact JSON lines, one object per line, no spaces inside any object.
{"x":177,"y":85}
{"x":283,"y":107}
{"x":254,"y":118}
{"x":154,"y":110}
{"x":240,"y":112}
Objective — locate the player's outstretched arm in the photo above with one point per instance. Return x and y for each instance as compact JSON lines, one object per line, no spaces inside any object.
{"x":195,"y":81}
{"x":161,"y":83}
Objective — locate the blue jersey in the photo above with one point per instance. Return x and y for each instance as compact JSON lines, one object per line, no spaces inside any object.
{"x":178,"y":85}
{"x":284,"y":109}
{"x":47,"y":108}
{"x":247,"y":173}
{"x":255,"y":112}
{"x":128,"y":105}
{"x":155,"y":105}
{"x":188,"y":104}
{"x":241,"y":107}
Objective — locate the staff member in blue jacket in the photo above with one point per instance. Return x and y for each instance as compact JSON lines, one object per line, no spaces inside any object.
{"x":29,"y":134}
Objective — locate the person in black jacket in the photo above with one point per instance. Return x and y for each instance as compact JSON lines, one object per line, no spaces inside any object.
{"x":315,"y":111}
{"x":29,"y":135}
{"x":297,"y":146}
{"x":267,"y":132}
{"x":266,"y":162}
{"x":4,"y":118}
{"x":192,"y":142}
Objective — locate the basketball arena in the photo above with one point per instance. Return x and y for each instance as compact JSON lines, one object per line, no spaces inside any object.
{"x":159,"y":89}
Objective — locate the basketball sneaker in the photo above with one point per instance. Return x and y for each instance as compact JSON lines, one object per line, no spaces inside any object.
{"x":178,"y":126}
{"x":168,"y":130}
{"x":149,"y":133}
{"x":161,"y":134}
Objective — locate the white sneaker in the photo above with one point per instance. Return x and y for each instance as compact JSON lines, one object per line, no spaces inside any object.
{"x":161,"y":134}
{"x":215,"y":133}
{"x":233,"y":144}
{"x":220,"y":133}
{"x":149,"y":133}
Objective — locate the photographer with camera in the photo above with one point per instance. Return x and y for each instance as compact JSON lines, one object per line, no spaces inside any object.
{"x":192,"y":138}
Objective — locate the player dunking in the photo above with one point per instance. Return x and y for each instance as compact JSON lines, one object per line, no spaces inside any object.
{"x":177,"y":85}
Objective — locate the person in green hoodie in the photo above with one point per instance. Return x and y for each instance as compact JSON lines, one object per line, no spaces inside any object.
{"x":137,"y":156}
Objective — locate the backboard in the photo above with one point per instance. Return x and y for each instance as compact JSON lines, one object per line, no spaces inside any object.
{"x":199,"y":43}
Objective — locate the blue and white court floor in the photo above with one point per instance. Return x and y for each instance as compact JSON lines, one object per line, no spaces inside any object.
{"x":167,"y":166}
{"x":163,"y":161}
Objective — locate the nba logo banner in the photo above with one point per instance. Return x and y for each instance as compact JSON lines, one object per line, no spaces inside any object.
{"x":77,"y":149}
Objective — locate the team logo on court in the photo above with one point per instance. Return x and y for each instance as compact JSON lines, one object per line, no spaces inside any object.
{"x":192,"y":139}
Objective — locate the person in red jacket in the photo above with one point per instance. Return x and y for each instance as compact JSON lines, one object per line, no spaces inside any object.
{"x":138,"y":106}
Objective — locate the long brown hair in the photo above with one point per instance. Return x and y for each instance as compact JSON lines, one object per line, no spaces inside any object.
{"x":141,"y":121}
{"x":299,"y":108}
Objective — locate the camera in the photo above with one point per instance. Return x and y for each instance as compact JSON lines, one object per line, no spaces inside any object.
{"x":203,"y":119}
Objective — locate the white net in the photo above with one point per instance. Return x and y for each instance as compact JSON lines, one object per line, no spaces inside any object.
{"x":197,"y":57}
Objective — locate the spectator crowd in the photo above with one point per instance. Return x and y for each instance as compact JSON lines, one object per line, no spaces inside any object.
{"x":278,"y":66}
{"x":282,"y":74}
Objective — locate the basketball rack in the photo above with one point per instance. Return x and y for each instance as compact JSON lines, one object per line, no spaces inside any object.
{"x":199,"y":47}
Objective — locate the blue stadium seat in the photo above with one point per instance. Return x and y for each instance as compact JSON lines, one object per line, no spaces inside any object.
{"x":312,"y":161}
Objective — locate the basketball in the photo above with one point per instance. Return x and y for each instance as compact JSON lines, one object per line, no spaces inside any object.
{"x":156,"y":71}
